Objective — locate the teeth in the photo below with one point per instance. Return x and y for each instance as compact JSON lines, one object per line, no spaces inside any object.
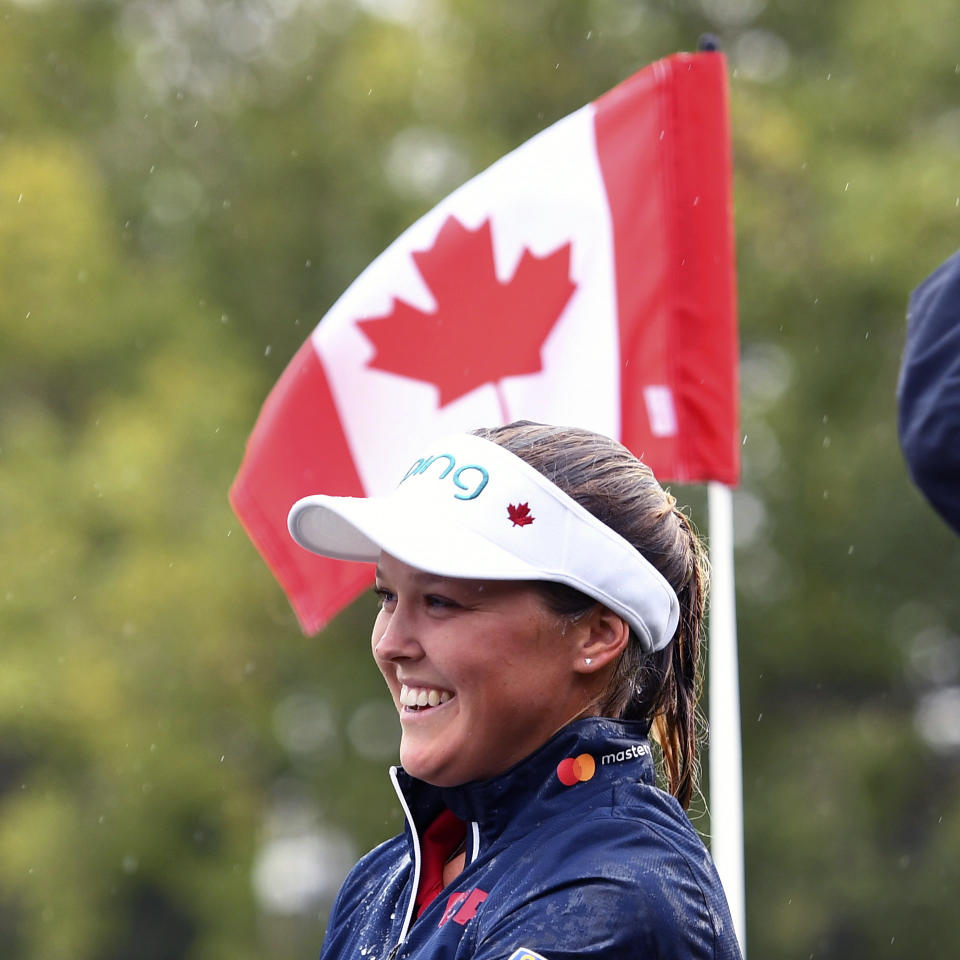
{"x":423,"y":697}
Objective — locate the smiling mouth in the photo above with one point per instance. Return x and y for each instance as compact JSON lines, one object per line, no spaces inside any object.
{"x":422,"y":698}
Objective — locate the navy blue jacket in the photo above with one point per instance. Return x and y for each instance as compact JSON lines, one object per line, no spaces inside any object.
{"x":928,"y":393}
{"x":606,"y":867}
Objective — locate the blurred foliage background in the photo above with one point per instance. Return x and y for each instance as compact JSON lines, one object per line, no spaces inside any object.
{"x":185,"y":187}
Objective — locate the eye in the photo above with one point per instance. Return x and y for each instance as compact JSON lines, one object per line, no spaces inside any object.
{"x":385,"y":597}
{"x":436,"y":602}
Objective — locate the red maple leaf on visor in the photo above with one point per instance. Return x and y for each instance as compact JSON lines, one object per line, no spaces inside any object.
{"x":519,"y":514}
{"x":482,"y":330}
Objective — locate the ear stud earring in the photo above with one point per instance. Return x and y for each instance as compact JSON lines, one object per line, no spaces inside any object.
{"x":588,"y":660}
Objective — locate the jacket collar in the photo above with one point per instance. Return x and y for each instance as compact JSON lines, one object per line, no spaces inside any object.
{"x":582,"y":759}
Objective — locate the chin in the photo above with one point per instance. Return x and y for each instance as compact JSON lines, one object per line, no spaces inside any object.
{"x":429,"y":772}
{"x":425,"y":771}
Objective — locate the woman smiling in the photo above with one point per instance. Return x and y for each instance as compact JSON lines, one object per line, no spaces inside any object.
{"x":541,"y":614}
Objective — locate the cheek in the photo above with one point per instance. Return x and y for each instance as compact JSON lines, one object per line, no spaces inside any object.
{"x":379,"y":626}
{"x":541,"y":661}
{"x":376,"y":636}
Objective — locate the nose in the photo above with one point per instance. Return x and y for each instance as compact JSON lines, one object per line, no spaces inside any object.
{"x":394,"y":636}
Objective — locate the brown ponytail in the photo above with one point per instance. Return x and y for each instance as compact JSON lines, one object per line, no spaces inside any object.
{"x":662,"y":688}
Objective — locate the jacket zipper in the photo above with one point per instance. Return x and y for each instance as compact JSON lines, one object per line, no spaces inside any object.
{"x":415,"y":885}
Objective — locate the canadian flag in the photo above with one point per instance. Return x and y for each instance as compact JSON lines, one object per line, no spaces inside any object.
{"x":585,"y":278}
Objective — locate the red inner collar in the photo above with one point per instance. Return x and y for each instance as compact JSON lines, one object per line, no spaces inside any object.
{"x":439,"y":841}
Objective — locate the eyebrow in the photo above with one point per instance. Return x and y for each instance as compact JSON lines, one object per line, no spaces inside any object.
{"x":421,"y":576}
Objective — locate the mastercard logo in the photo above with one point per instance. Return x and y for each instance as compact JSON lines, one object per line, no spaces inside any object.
{"x":576,"y":769}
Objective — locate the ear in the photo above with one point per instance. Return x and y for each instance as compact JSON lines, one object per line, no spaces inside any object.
{"x":604,"y":637}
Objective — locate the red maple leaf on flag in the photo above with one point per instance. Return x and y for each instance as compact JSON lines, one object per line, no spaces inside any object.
{"x":482,"y":330}
{"x":520,"y":514}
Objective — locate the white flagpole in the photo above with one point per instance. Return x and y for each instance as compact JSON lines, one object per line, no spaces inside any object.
{"x":726,"y":769}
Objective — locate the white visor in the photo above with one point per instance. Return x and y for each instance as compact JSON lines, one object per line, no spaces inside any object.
{"x":470,"y":509}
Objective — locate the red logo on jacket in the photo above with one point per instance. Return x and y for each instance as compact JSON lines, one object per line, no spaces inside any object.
{"x":576,"y":769}
{"x":462,"y":907}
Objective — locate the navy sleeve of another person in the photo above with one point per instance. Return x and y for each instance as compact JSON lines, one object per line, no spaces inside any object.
{"x":928,"y":394}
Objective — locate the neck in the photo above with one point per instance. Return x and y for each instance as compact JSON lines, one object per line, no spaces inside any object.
{"x":454,"y":867}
